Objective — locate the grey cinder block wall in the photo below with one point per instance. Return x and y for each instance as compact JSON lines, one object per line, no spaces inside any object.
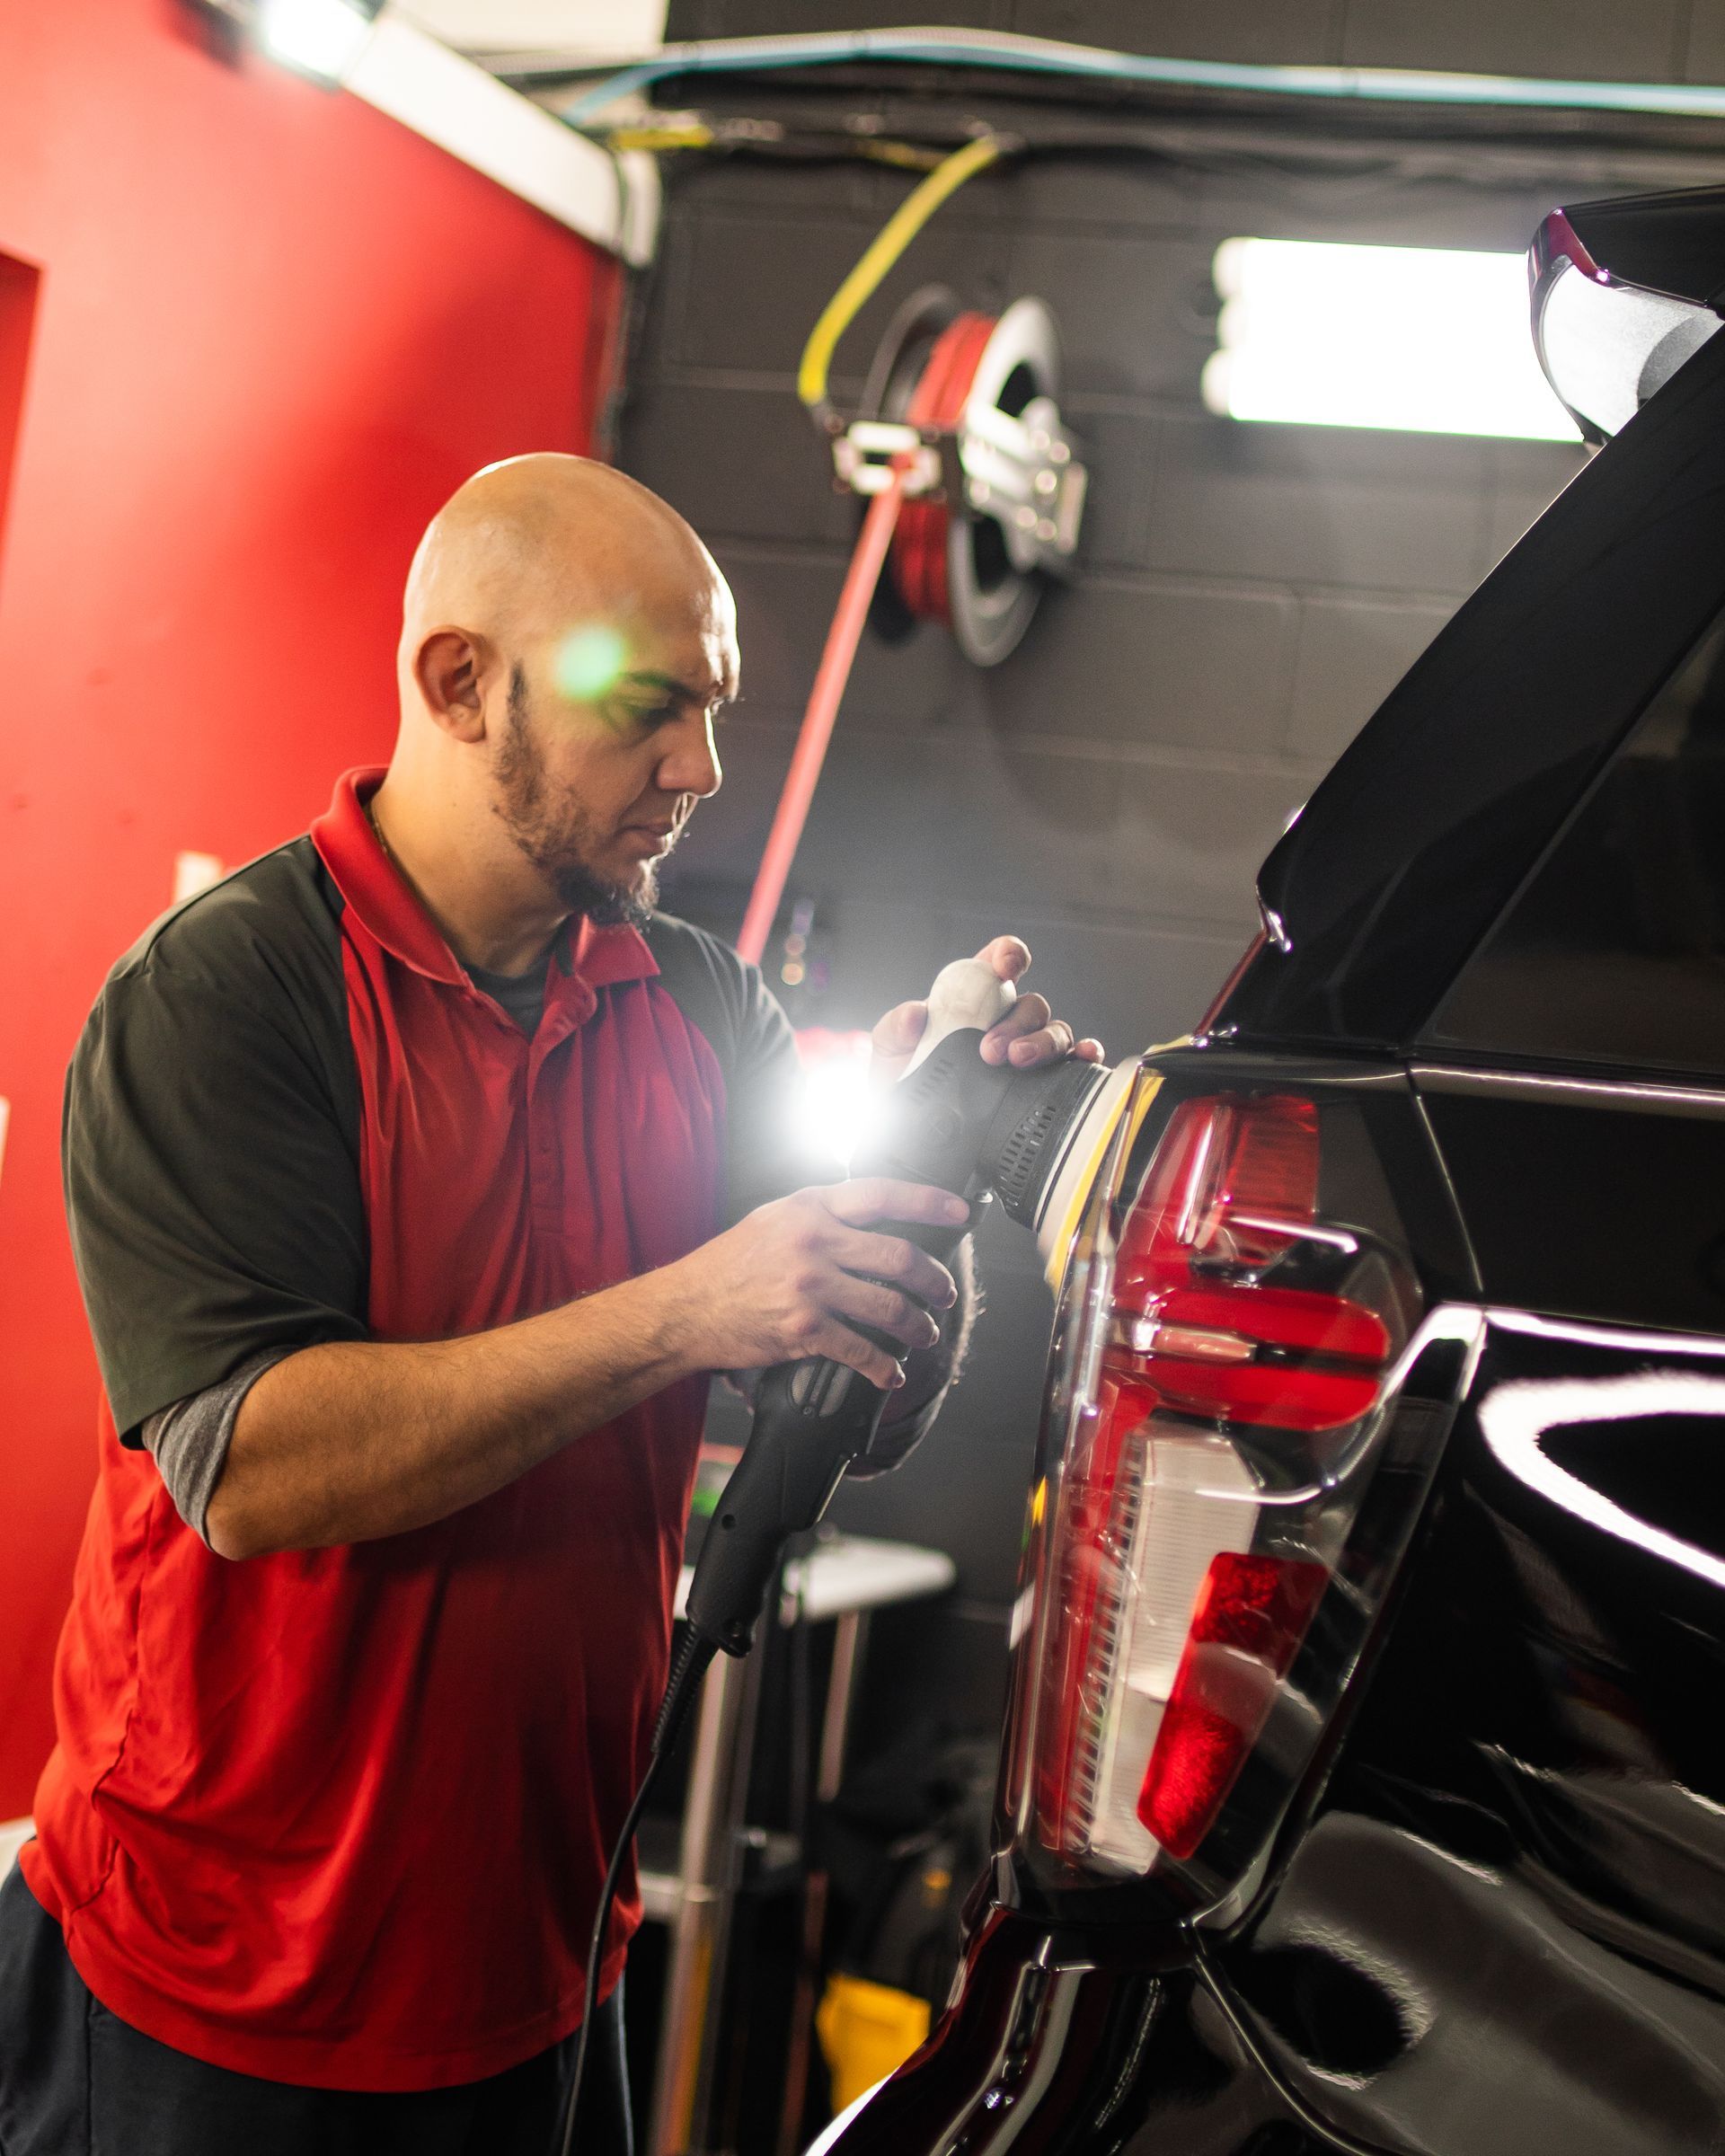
{"x":1246,"y":596}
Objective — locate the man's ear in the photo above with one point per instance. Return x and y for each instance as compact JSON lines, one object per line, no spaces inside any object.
{"x":450,"y":668}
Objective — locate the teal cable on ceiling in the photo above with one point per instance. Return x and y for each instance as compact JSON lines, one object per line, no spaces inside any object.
{"x":1047,"y":56}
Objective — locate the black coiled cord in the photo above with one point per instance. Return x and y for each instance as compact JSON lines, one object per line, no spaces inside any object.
{"x":684,"y":1682}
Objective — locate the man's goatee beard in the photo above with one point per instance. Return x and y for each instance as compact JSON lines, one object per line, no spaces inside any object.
{"x":520,"y":800}
{"x":606,"y":905}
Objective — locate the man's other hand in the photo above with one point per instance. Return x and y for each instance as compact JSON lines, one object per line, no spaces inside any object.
{"x":791,"y":1278}
{"x":1028,"y":1035}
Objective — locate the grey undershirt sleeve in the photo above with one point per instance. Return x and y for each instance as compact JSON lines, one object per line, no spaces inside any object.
{"x":190,"y":1440}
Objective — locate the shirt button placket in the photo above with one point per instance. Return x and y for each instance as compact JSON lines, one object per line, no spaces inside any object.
{"x":544,"y":1166}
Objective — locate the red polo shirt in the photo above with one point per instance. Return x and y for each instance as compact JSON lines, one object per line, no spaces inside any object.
{"x":340,"y":1816}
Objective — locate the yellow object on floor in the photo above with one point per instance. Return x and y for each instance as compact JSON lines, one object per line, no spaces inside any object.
{"x":867,"y":2031}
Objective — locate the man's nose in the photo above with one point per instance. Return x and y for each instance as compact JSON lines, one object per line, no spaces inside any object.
{"x":691,"y":764}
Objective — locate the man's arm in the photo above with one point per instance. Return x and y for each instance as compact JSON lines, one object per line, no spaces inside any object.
{"x":354,"y":1440}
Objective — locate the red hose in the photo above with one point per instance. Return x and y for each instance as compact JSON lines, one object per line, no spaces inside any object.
{"x":919,"y":571}
{"x":919,"y":549}
{"x":830,"y":677}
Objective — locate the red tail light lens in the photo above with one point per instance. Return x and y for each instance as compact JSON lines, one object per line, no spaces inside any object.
{"x":1232,"y":1359}
{"x":1233,"y":1189}
{"x":1250,"y":1618}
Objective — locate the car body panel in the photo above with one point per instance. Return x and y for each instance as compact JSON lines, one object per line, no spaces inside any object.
{"x":1615,"y":1208}
{"x":1521,"y":1846}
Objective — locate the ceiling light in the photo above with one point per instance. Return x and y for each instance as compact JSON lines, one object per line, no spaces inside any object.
{"x":320,"y":37}
{"x":1426,"y":340}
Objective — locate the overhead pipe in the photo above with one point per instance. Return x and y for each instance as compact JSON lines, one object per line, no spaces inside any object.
{"x":1049,"y":55}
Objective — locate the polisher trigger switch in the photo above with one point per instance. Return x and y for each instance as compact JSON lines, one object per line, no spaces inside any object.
{"x":820,"y":1387}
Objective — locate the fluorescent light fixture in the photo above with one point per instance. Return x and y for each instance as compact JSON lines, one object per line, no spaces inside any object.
{"x":1423,"y":339}
{"x":321,"y":38}
{"x":380,"y":55}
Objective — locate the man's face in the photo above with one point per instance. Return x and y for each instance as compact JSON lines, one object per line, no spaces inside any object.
{"x":606,"y":746}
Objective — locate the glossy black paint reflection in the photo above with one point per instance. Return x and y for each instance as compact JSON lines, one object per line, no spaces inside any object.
{"x":1672,"y":244}
{"x":1502,"y":1928}
{"x":1495,"y":1919}
{"x":1052,"y":2050}
{"x":1588,"y":1199}
{"x":1522,"y":1846}
{"x":1613,"y":953}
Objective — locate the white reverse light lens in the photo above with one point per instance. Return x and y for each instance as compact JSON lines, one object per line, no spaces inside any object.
{"x":1427,"y":339}
{"x":322,"y":38}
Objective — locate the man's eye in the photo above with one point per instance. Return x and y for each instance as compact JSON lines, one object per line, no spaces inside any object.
{"x":649,"y":714}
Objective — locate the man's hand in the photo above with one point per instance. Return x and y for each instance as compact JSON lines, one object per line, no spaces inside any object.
{"x":791,"y":1279}
{"x":1028,"y":1035}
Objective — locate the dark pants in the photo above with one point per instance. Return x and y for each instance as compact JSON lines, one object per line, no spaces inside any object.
{"x":75,"y":2081}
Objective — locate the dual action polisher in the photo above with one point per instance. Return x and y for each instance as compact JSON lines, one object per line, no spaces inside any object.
{"x":1026,"y":1137}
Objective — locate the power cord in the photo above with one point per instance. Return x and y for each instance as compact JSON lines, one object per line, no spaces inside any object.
{"x":684,"y":1682}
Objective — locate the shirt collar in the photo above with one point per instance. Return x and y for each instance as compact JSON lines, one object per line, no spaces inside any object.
{"x":368,"y":882}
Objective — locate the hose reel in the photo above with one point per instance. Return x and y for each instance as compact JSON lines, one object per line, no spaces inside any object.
{"x":964,"y":407}
{"x":975,"y":491}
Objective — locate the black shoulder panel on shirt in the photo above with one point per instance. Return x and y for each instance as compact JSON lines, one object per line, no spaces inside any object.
{"x":278,"y":918}
{"x":726,"y":999}
{"x":268,"y":935}
{"x":211,"y":1139}
{"x":715,"y":988}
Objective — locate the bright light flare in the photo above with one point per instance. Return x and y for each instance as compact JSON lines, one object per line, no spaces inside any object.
{"x":195,"y":872}
{"x":590,"y":661}
{"x":322,"y":38}
{"x":836,"y":1107}
{"x":1423,"y":339}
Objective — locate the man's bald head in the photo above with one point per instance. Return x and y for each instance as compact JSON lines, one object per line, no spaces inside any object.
{"x":566,"y":644}
{"x":530,"y":548}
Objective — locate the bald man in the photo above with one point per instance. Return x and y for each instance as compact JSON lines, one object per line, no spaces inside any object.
{"x":419,"y":1175}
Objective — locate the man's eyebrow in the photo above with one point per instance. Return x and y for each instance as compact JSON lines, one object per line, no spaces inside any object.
{"x":688,"y":692}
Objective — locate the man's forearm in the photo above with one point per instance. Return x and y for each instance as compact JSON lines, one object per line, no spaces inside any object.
{"x":354,"y":1440}
{"x":359,"y":1439}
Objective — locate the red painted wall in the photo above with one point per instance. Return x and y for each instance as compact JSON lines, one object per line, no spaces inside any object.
{"x":273,"y":329}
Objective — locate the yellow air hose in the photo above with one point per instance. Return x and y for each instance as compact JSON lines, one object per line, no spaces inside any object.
{"x":881,"y":253}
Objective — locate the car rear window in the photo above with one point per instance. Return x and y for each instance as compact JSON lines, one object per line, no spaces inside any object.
{"x":1613,"y":950}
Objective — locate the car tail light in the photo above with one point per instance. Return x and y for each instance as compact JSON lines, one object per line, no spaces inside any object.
{"x":1247,"y":1624}
{"x":1229,"y":1349}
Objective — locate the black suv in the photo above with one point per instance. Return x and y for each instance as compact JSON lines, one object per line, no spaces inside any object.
{"x":1364,"y":1780}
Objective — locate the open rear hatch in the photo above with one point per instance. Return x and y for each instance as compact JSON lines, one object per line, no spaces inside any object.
{"x":1398,"y":866}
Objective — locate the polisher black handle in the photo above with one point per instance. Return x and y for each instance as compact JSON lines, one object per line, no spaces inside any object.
{"x":812,"y":1419}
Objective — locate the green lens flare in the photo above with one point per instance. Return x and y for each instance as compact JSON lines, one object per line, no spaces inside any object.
{"x":588,"y":661}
